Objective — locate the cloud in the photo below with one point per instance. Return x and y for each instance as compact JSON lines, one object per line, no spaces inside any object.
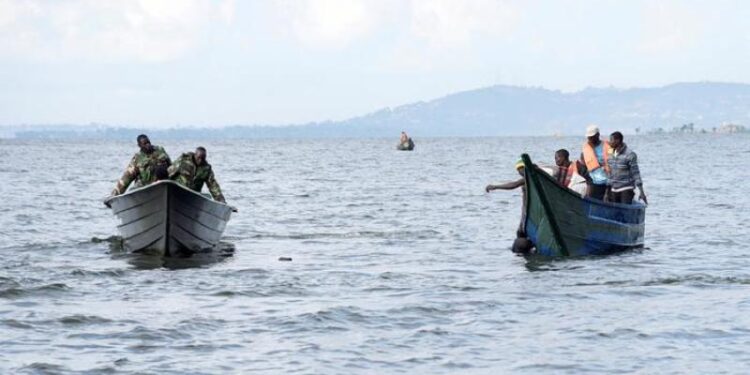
{"x":125,"y":30}
{"x":447,"y":23}
{"x":669,"y":27}
{"x":330,"y":23}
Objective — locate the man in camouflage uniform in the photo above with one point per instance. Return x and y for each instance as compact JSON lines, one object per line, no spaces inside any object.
{"x":142,"y":167}
{"x":192,"y":170}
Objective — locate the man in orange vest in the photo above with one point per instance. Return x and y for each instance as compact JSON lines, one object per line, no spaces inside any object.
{"x":568,"y":173}
{"x":565,"y":169}
{"x":596,"y":153}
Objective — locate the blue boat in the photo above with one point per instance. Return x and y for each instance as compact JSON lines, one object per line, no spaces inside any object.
{"x":559,"y":222}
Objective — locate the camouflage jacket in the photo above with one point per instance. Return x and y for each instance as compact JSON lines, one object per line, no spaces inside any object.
{"x":141,"y":169}
{"x":186,"y":173}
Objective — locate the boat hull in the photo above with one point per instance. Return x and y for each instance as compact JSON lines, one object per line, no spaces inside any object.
{"x":167,"y":218}
{"x":562,"y":223}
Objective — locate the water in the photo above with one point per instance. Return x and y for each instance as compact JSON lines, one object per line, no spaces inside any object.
{"x":400,"y":265}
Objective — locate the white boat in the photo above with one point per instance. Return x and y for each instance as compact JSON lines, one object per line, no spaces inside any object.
{"x":167,"y":218}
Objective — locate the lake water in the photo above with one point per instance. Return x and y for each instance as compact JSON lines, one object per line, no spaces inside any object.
{"x":401,"y":264}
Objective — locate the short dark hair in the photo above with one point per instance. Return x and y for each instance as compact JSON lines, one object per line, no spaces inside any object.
{"x":617,"y":136}
{"x":141,"y":136}
{"x":563,"y":152}
{"x":160,"y":172}
{"x":200,"y":148}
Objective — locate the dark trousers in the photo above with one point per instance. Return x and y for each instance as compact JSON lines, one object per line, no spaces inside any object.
{"x":623,"y":196}
{"x":597,"y":191}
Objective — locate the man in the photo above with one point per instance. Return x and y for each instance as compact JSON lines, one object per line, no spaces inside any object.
{"x":595,"y":155}
{"x":521,"y":244}
{"x":570,"y":174}
{"x":624,"y":175}
{"x":565,"y":169}
{"x":405,"y":141}
{"x":512,"y":184}
{"x":142,"y":166}
{"x":404,"y":138}
{"x":192,"y":171}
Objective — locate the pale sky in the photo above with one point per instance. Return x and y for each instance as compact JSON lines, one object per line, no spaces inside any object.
{"x":168,"y":63}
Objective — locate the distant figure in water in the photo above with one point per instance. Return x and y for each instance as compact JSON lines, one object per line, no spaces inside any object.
{"x":624,"y":175}
{"x":405,"y":142}
{"x":192,"y":171}
{"x":142,"y":166}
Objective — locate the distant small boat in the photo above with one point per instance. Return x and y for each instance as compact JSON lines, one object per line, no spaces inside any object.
{"x":562,"y":223}
{"x":168,"y":218}
{"x":406,"y":146}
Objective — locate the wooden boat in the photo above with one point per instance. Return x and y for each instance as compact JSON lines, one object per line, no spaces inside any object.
{"x":168,"y":218}
{"x":406,"y":146}
{"x":559,"y":222}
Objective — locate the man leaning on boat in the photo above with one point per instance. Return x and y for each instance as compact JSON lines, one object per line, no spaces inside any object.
{"x":192,"y":171}
{"x":142,"y":166}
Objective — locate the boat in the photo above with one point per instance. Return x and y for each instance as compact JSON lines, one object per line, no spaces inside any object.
{"x":406,"y":146}
{"x":560,"y":222}
{"x":167,"y":218}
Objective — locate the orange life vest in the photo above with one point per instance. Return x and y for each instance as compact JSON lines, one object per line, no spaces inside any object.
{"x":592,"y":162}
{"x":564,"y":179}
{"x":572,"y":169}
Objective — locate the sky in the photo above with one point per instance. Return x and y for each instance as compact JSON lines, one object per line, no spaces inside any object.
{"x":171,"y":63}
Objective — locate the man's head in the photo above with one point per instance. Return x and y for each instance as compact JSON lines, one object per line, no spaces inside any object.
{"x":161,"y":172}
{"x":520,"y":166}
{"x":562,"y":157}
{"x":615,"y":140}
{"x":522,"y":245}
{"x":200,"y":155}
{"x":144,"y":144}
{"x":592,"y":134}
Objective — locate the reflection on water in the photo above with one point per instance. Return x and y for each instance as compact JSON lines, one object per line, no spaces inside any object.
{"x":145,"y":260}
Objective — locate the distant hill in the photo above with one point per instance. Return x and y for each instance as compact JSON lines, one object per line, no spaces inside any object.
{"x":493,"y":111}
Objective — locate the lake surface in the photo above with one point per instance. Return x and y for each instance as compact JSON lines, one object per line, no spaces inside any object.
{"x":401,"y":264}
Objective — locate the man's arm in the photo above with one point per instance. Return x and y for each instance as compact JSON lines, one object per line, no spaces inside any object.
{"x":214,"y":188}
{"x":174,"y":169}
{"x":635,"y":174}
{"x":506,"y":186}
{"x":163,"y":158}
{"x":130,"y":175}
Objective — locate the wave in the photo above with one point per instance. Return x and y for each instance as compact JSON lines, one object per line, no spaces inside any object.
{"x":413,"y":235}
{"x":18,"y":292}
{"x":690,"y":280}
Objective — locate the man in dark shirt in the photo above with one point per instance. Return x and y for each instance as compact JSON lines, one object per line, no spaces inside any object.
{"x":624,"y":175}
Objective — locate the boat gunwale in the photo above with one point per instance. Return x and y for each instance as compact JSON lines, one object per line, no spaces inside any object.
{"x":109,"y":200}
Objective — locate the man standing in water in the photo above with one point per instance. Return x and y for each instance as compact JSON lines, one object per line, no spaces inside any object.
{"x":143,"y":165}
{"x":521,"y":245}
{"x":595,"y":155}
{"x":624,"y":175}
{"x":192,"y":171}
